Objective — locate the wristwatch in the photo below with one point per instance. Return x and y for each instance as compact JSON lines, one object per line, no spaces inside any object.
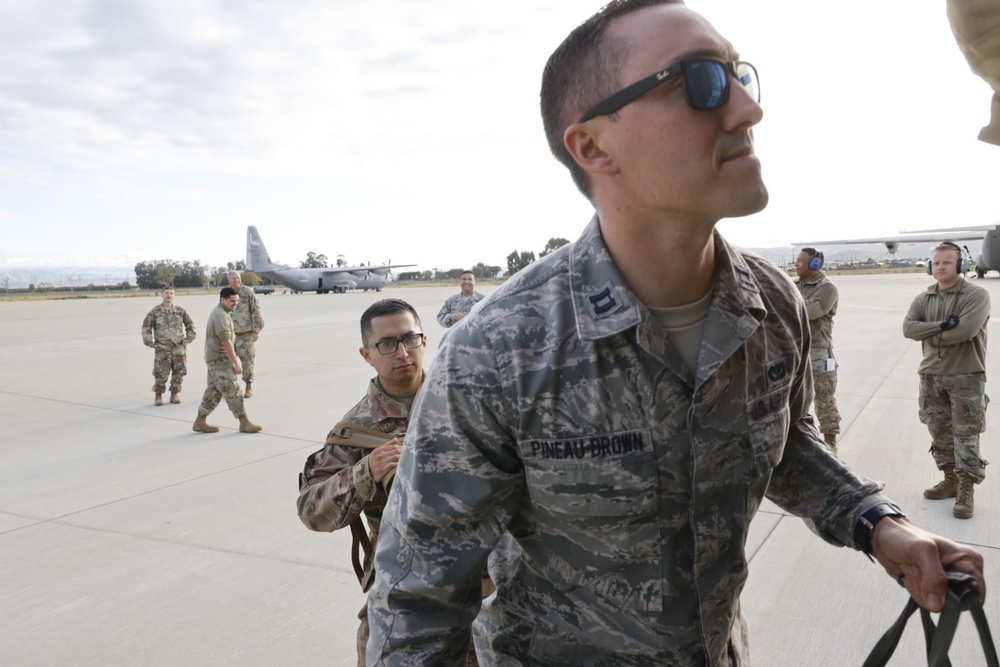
{"x":865,"y":527}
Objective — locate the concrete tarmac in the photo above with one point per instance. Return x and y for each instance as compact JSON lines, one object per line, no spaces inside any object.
{"x":128,"y":539}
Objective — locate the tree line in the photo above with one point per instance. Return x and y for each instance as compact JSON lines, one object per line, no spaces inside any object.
{"x":155,"y":273}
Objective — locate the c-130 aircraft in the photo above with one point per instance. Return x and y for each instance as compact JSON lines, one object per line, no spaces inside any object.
{"x":322,"y":281}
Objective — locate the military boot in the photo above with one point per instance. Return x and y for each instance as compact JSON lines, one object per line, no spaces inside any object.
{"x":202,"y":426}
{"x":158,"y":399}
{"x":175,"y":397}
{"x":247,"y":426}
{"x":946,"y":488}
{"x":964,"y":504}
{"x":831,"y":441}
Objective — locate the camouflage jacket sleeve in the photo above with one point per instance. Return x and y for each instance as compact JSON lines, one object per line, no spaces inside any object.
{"x":445,"y":315}
{"x":190,"y":333}
{"x":257,"y":319}
{"x":336,"y":485}
{"x":802,"y":482}
{"x":148,"y":325}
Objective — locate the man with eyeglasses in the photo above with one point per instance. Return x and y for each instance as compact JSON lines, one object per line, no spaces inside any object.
{"x":609,"y":421}
{"x":458,"y":306}
{"x":223,"y":366}
{"x":348,"y":478}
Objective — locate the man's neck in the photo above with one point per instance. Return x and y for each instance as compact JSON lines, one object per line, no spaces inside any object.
{"x":664,"y":263}
{"x":397,"y":390}
{"x":942,"y":285}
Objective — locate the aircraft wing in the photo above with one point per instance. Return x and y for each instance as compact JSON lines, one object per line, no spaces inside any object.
{"x":953,"y":234}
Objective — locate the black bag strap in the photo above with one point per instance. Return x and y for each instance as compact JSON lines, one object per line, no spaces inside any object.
{"x":361,"y":547}
{"x":963,"y":594}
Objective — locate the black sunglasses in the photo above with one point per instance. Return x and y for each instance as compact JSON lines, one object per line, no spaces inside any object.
{"x":705,"y":82}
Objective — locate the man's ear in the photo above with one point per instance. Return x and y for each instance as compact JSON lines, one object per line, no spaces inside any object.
{"x":366,"y":354}
{"x":583,"y":141}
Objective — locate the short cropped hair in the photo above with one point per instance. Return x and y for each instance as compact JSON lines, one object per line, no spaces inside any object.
{"x":227,"y":292}
{"x":384,"y":307}
{"x":582,"y":71}
{"x":165,"y":288}
{"x":948,"y":245}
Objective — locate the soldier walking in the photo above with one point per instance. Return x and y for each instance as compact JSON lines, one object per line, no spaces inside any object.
{"x":168,"y":329}
{"x":223,"y":367}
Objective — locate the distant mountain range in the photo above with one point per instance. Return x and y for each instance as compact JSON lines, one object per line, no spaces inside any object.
{"x":65,"y":276}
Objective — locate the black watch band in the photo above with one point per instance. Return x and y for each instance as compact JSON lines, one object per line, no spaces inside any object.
{"x":865,"y":527}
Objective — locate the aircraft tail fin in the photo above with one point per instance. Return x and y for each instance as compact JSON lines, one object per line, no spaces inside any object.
{"x":257,"y":258}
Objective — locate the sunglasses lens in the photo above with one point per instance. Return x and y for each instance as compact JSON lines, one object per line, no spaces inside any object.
{"x":747,"y":77}
{"x":707,"y":83}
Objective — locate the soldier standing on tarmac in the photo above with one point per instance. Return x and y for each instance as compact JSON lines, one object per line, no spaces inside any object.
{"x":247,"y":322}
{"x":168,"y":329}
{"x":821,"y":297}
{"x":949,"y":319}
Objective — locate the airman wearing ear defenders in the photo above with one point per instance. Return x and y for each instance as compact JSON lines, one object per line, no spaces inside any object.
{"x":949,"y":319}
{"x":821,"y":298}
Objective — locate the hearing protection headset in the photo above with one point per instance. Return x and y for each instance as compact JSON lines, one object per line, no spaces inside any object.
{"x":815,"y":258}
{"x":963,"y":264}
{"x":816,"y":262}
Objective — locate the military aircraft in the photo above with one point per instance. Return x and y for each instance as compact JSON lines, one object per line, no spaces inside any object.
{"x":988,"y":258}
{"x":322,"y":281}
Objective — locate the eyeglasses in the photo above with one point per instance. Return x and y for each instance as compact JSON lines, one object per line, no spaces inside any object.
{"x":705,"y":82}
{"x":410,"y":341}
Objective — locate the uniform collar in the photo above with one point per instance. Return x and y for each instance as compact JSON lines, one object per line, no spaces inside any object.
{"x":819,"y":277}
{"x":604,"y":305}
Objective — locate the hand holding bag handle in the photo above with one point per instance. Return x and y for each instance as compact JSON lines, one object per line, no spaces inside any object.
{"x":962,"y":594}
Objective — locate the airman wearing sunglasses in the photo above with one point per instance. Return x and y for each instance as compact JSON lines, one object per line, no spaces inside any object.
{"x":613,"y":417}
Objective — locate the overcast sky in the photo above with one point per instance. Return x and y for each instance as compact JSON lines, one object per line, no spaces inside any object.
{"x":409,"y":131}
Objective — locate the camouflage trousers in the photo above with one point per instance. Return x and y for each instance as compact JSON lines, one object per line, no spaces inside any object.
{"x":954,"y":409}
{"x":221,"y":384}
{"x":246,"y":350}
{"x":170,"y":359}
{"x":825,"y":388}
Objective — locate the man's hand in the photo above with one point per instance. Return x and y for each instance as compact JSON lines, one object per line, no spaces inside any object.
{"x":905,"y":549}
{"x":237,"y":367}
{"x":457,"y":316}
{"x":949,"y":323}
{"x":384,"y":459}
{"x":254,"y":336}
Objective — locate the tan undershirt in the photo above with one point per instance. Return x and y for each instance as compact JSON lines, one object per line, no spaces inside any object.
{"x":685,"y":325}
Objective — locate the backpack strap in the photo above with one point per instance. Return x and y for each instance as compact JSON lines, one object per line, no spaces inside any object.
{"x":351,"y":434}
{"x":359,"y":539}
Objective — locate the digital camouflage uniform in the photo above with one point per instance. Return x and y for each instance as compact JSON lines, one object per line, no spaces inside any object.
{"x":562,"y":415}
{"x":221,"y":376}
{"x":953,"y":372}
{"x":168,"y":328}
{"x":337,"y":485}
{"x":821,"y":297}
{"x":457,"y":304}
{"x":247,"y":320}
